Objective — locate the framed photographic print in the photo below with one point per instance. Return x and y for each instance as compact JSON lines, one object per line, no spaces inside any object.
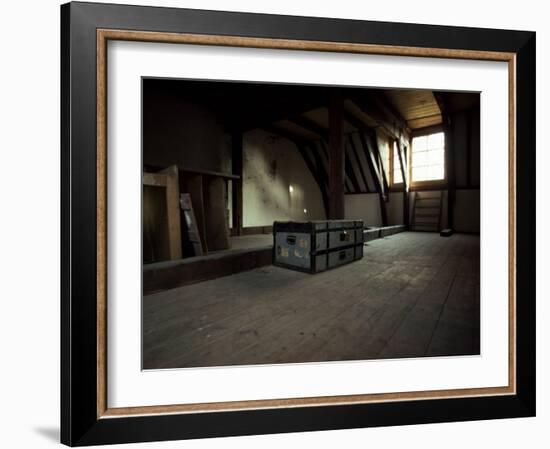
{"x":280,"y":224}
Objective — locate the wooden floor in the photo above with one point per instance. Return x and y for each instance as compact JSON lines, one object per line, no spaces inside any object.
{"x":412,"y":295}
{"x":251,"y":241}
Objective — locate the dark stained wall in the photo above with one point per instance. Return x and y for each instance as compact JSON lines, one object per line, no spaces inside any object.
{"x":466,"y":141}
{"x":466,"y":147}
{"x":182,"y":133}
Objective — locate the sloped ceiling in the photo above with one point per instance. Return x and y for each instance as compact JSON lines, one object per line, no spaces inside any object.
{"x":419,"y":108}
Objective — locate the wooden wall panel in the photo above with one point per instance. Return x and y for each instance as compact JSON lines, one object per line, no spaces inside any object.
{"x":161,"y":216}
{"x":217,"y":228}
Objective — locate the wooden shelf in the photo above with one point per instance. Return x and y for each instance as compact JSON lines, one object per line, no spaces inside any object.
{"x":210,"y":173}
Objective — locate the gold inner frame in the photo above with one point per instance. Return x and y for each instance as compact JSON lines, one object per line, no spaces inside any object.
{"x":104,"y":35}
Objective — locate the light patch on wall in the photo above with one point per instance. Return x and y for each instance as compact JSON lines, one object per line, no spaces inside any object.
{"x":289,"y":195}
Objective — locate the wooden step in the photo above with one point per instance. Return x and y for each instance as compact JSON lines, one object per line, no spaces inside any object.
{"x":424,"y":214}
{"x":427,"y":212}
{"x":426,"y":223}
{"x":424,"y":229}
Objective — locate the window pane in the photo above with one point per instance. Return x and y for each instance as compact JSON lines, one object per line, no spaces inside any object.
{"x":436,"y":157}
{"x":420,"y":159}
{"x":385,"y":158}
{"x":395,"y":158}
{"x":436,"y":140}
{"x":428,"y":157}
{"x":397,"y":178}
{"x":436,"y":172}
{"x":419,"y":143}
{"x":419,"y":173}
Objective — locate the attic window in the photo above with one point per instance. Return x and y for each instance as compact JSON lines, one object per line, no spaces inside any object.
{"x":428,"y":157}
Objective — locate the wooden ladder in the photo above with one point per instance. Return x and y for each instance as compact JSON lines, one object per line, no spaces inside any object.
{"x":427,"y":211}
{"x":190,"y":230}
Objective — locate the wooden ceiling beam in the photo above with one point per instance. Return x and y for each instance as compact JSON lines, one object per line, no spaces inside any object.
{"x":359,"y":164}
{"x":321,"y":168}
{"x":381,"y":169}
{"x":358,"y":123}
{"x":350,"y":173}
{"x":316,"y":169}
{"x":289,"y":135}
{"x":372,"y":106}
{"x":249,"y":120}
{"x":389,"y":109}
{"x":376,"y":176}
{"x":310,"y":125}
{"x":323,"y":133}
{"x":439,"y":98}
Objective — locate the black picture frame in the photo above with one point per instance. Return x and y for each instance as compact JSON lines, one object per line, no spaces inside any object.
{"x":80,"y":424}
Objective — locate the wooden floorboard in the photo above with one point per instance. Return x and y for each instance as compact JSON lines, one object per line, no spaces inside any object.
{"x":412,"y":295}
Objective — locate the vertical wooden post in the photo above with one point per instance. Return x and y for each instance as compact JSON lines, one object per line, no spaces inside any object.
{"x":336,"y":156}
{"x":406,"y":187}
{"x":403,"y":161}
{"x":468,"y":148}
{"x":217,"y":231}
{"x":237,"y":184}
{"x":450,"y":169}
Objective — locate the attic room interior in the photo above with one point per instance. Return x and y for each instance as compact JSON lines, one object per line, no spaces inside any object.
{"x":297,"y":223}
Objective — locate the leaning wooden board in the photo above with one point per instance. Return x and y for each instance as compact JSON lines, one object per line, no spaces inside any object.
{"x":316,"y":246}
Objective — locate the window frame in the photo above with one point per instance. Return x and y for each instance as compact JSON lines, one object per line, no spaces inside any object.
{"x":432,"y":182}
